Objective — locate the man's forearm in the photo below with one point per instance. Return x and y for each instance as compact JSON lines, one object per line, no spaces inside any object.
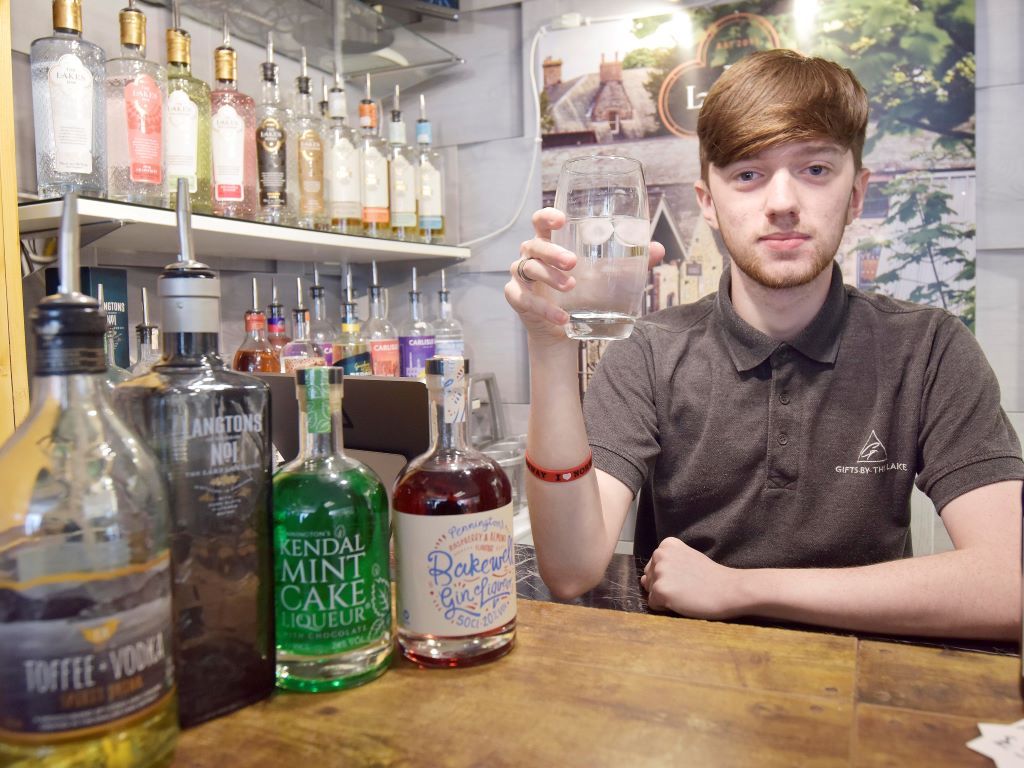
{"x":568,"y":525}
{"x":964,"y":593}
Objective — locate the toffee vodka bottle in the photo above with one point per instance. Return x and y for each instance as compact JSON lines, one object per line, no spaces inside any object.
{"x":67,"y":107}
{"x":331,"y":544}
{"x":86,"y":668}
{"x":453,"y":526}
{"x":272,"y":118}
{"x":210,"y":430}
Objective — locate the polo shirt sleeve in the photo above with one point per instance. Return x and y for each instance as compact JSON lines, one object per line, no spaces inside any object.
{"x":965,"y":440}
{"x":619,"y":411}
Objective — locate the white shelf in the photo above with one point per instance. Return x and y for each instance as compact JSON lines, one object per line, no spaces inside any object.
{"x":125,"y":229}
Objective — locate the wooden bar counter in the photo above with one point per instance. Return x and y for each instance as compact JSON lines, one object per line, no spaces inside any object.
{"x":592,"y":687}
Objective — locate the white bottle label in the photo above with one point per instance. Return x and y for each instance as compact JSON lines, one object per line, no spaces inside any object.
{"x":449,"y":347}
{"x":182,"y":141}
{"x":344,"y":181}
{"x":228,"y":138}
{"x":71,"y":90}
{"x":456,"y":573}
{"x":375,"y":179}
{"x":429,"y":192}
{"x":403,"y":191}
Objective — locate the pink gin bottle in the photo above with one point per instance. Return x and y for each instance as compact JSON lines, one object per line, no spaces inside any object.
{"x":233,"y":138}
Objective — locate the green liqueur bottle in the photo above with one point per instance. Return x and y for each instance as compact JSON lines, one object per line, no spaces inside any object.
{"x":333,"y":582}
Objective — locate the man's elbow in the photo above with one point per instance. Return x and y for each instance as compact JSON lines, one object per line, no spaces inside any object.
{"x":566,"y":584}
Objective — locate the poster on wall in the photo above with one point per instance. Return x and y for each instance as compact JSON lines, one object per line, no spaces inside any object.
{"x":634,"y":87}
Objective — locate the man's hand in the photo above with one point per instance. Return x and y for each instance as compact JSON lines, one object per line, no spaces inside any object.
{"x":680,"y":579}
{"x":542,"y":267}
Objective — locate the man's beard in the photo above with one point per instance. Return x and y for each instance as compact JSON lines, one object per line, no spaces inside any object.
{"x":770,"y":275}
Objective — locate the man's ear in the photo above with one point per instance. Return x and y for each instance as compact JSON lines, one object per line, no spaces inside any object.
{"x":706,"y":203}
{"x":857,"y":195}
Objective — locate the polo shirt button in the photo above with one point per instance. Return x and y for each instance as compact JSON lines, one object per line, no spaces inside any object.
{"x":783,"y":438}
{"x":784,"y":398}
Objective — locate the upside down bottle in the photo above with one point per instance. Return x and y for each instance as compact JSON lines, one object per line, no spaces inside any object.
{"x":453,"y":539}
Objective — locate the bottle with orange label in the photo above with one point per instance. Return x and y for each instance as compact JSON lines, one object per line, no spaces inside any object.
{"x":373,"y":162}
{"x":379,"y":335}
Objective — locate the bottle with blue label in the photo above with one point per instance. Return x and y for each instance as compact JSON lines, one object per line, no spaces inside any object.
{"x":415,"y":338}
{"x":429,"y":181}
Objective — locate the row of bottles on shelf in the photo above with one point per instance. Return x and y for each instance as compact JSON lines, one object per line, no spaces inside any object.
{"x":127,"y":128}
{"x":145,"y":544}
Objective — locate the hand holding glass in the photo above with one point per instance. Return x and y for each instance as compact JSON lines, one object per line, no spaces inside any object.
{"x":607,"y":226}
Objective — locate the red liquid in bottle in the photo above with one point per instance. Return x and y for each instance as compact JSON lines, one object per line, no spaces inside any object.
{"x":453,"y":535}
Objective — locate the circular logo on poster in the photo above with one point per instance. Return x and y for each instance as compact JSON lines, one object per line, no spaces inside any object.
{"x":727,"y":41}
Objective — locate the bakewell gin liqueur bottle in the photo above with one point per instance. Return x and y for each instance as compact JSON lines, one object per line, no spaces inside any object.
{"x":429,"y":181}
{"x":448,"y":338}
{"x":210,"y":430}
{"x":187,"y":122}
{"x":86,"y":669}
{"x":272,"y":118}
{"x":343,"y":168}
{"x":67,"y":107}
{"x":255,"y":354}
{"x":379,"y":335}
{"x":402,"y":177}
{"x":135,"y":92}
{"x":232,"y":138}
{"x":415,"y":337}
{"x":331,"y":546}
{"x":453,"y":539}
{"x":306,"y":157}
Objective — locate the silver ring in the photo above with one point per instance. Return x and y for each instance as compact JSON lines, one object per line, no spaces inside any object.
{"x":519,"y":270}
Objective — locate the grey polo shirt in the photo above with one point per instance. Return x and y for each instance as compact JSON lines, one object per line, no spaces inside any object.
{"x":767,"y":454}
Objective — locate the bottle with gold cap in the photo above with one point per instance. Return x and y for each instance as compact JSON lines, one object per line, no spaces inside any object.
{"x":136,"y":89}
{"x":67,"y":105}
{"x":306,"y":157}
{"x":187,"y":139}
{"x":233,"y":136}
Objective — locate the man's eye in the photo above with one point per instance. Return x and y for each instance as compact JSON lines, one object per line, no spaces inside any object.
{"x":746,"y":175}
{"x":817,"y":170}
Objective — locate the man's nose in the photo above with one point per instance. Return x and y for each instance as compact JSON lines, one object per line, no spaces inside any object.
{"x":782,"y":198}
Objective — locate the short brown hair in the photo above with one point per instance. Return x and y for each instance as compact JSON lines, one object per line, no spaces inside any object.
{"x":775,"y":97}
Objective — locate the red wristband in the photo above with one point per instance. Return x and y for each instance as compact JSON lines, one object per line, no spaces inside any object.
{"x":560,"y":475}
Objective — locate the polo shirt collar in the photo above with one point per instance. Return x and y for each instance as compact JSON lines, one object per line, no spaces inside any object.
{"x":819,"y":341}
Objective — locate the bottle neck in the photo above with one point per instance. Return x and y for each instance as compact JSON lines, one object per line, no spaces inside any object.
{"x":300,"y":319}
{"x":67,"y":34}
{"x":191,"y":349}
{"x":319,"y":308}
{"x":108,"y":349}
{"x":414,"y":306}
{"x":270,"y":92}
{"x":69,"y":389}
{"x":179,"y":68}
{"x":304,"y":104}
{"x":376,"y":305}
{"x":131,"y":51}
{"x":227,"y":85}
{"x":448,"y":420}
{"x":144,"y":334}
{"x":349,"y":314}
{"x":445,"y":305}
{"x":256,"y":325}
{"x":323,"y":444}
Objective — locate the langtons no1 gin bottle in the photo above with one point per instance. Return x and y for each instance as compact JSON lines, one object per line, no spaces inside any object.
{"x":210,"y":430}
{"x":453,"y":539}
{"x":67,"y":107}
{"x":135,"y":118}
{"x":331,"y":536}
{"x":86,"y":675}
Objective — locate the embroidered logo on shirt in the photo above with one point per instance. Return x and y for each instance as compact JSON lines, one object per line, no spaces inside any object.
{"x":873,"y":451}
{"x":874,"y":454}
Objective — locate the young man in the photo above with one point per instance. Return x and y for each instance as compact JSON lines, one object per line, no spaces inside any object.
{"x":776,"y":427}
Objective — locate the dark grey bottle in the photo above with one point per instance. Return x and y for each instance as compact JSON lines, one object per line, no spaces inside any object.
{"x":209,"y":428}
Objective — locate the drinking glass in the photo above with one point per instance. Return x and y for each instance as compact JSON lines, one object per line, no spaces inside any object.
{"x":607,"y":226}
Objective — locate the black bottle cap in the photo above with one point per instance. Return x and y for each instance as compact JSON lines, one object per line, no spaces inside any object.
{"x":441,"y":366}
{"x":304,"y":376}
